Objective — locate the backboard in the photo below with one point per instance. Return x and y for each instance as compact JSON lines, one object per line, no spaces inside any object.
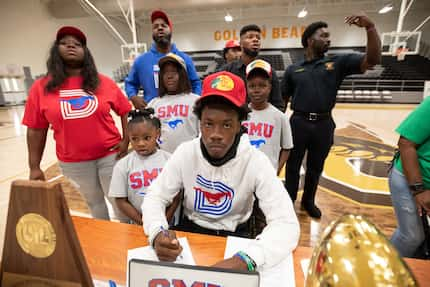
{"x":128,"y":52}
{"x":401,"y":43}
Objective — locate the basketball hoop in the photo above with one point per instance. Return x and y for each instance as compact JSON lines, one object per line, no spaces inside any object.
{"x":399,"y":44}
{"x":129,"y":54}
{"x":401,"y":53}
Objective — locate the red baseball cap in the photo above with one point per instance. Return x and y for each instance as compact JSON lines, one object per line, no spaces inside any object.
{"x":160,"y":14}
{"x":73,"y":31}
{"x":226,"y":85}
{"x":232,"y":44}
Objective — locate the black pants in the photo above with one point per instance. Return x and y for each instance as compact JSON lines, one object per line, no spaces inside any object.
{"x":315,"y":137}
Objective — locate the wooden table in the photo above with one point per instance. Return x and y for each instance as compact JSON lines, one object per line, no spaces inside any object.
{"x":105,"y":246}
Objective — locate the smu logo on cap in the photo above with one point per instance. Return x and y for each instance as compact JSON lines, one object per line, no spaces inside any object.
{"x":222,"y":83}
{"x":76,"y":104}
{"x":212,"y":197}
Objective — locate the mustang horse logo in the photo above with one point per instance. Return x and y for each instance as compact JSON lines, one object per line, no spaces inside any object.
{"x":173,"y":124}
{"x":258,"y":143}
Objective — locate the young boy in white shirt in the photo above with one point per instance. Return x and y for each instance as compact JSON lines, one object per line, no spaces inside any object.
{"x":268,"y":128}
{"x":221,"y":174}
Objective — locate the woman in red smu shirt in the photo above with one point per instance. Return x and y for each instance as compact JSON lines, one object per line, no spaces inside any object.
{"x":75,"y":101}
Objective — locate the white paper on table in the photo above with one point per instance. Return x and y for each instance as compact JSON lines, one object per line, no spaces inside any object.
{"x":148,"y":253}
{"x":305,"y":265}
{"x":278,"y":275}
{"x":99,"y":283}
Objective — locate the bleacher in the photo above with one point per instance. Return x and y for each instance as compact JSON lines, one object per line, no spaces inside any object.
{"x":204,"y":58}
{"x":219,"y":62}
{"x":121,"y":73}
{"x":201,"y":68}
{"x":388,"y":82}
{"x":274,"y":58}
{"x":414,"y":67}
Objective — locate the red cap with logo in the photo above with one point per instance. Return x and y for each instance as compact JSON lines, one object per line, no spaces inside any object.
{"x":160,"y":14}
{"x":226,"y":85}
{"x":232,"y":44}
{"x":73,"y":31}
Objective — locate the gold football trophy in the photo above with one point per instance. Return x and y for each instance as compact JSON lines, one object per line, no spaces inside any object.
{"x":353,"y":252}
{"x":41,"y":247}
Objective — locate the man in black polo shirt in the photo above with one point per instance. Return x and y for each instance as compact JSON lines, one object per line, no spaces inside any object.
{"x":312,"y":86}
{"x":250,"y":42}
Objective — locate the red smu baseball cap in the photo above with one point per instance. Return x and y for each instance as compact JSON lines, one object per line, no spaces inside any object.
{"x":226,"y":85}
{"x":232,"y":44}
{"x":160,"y":14}
{"x":73,"y":31}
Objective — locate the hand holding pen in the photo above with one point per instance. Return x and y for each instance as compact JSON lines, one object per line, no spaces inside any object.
{"x":166,"y":245}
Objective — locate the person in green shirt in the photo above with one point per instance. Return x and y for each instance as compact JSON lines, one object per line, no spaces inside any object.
{"x":409,"y":181}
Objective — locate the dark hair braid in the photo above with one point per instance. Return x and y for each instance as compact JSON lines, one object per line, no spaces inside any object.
{"x":145,"y":115}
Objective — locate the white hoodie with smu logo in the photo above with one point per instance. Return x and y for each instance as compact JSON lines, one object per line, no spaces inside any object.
{"x":221,"y":198}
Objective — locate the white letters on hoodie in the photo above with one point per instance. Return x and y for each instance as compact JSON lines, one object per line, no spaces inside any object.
{"x":221,"y":198}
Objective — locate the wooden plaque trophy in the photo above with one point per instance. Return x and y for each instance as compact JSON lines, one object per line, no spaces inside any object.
{"x":41,"y":247}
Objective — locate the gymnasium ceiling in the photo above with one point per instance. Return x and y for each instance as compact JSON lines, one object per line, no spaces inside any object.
{"x":182,"y":11}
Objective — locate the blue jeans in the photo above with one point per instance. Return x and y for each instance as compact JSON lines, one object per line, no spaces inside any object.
{"x":409,"y":234}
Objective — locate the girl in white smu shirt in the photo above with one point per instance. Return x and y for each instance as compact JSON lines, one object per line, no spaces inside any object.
{"x":133,"y":174}
{"x":174,"y":106}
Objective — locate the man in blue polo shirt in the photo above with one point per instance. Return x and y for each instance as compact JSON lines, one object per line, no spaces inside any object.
{"x":312,"y":87}
{"x":144,"y":72}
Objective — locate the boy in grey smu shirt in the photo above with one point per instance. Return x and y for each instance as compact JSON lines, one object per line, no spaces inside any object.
{"x":268,"y":128}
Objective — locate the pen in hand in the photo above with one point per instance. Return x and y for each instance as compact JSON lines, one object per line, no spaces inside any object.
{"x":166,"y":233}
{"x":164,"y":230}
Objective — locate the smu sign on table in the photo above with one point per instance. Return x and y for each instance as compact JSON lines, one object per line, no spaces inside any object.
{"x":279,"y":32}
{"x":178,"y":283}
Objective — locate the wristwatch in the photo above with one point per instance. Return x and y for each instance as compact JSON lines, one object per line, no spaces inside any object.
{"x":417,"y":188}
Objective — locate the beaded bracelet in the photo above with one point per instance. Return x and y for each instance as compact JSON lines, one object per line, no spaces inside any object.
{"x":248,"y":260}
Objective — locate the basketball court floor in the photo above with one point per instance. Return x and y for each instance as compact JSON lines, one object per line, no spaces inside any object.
{"x":354,"y":179}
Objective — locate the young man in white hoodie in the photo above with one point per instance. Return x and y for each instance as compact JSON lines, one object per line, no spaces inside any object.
{"x":220,"y":173}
